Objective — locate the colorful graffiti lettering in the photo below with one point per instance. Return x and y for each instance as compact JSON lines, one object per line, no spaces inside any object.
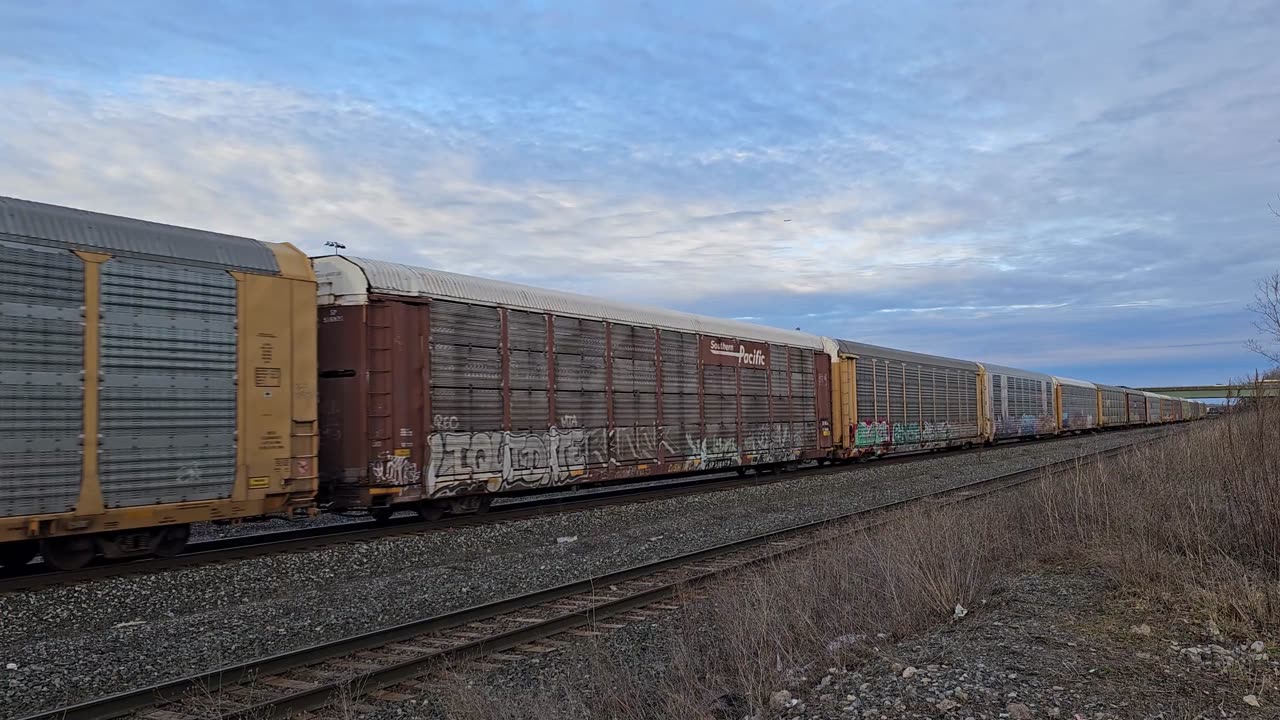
{"x":871,"y":433}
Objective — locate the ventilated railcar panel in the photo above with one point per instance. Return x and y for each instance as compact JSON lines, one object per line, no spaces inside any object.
{"x":41,"y":396}
{"x":1079,"y":407}
{"x":1021,"y":406}
{"x":907,"y":403}
{"x":466,"y":367}
{"x":168,"y":392}
{"x":1115,"y":411}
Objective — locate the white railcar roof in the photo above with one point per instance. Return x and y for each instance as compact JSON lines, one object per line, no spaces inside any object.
{"x":347,"y":280}
{"x":1076,"y":383}
{"x":1017,"y":372}
{"x":857,"y":349}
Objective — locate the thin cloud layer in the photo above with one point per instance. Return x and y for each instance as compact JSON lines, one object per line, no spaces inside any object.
{"x":1074,"y":189}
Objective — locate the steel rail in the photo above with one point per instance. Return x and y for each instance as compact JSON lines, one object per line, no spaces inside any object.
{"x":318,"y":694}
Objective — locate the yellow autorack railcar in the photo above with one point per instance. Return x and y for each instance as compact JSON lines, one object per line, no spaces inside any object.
{"x":151,"y":377}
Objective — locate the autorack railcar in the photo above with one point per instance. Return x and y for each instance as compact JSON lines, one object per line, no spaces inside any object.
{"x":889,"y":401}
{"x":439,"y":390}
{"x":150,"y":377}
{"x":1136,"y":401}
{"x":1020,"y":403}
{"x":1113,"y":407}
{"x":1077,"y":404}
{"x":1154,"y":416}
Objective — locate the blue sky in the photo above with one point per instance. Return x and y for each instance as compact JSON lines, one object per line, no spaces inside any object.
{"x":1078,"y":188}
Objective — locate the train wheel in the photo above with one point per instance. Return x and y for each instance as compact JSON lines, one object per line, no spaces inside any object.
{"x":17,"y":554}
{"x":68,"y":553}
{"x":172,"y":540}
{"x":382,"y":514}
{"x":430,"y":511}
{"x":467,"y":505}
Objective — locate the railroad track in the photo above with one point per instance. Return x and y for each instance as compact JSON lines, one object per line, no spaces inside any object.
{"x":36,"y":575}
{"x":387,"y":664}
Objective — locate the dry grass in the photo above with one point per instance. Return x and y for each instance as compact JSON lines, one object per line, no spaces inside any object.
{"x":1192,"y":523}
{"x":1194,"y":519}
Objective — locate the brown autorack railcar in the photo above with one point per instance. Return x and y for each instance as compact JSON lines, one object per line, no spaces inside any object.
{"x":438,"y":390}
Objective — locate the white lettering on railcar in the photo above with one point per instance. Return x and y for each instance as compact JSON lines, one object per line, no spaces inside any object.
{"x":395,"y":470}
{"x":744,"y":356}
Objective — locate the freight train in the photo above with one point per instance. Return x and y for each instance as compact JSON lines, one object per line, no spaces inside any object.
{"x":153,"y":376}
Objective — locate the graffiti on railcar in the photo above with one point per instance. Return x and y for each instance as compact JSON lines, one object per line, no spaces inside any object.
{"x":872,"y":433}
{"x":639,"y":442}
{"x":395,"y":470}
{"x":1024,"y":425}
{"x":1077,"y":420}
{"x":772,"y":443}
{"x":906,"y":433}
{"x":515,"y":459}
{"x":506,"y":460}
{"x":938,"y":431}
{"x":713,"y":452}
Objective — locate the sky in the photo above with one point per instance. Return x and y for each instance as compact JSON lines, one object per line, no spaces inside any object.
{"x":1079,"y":188}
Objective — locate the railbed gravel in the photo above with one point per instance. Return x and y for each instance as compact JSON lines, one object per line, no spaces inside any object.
{"x":67,"y":644}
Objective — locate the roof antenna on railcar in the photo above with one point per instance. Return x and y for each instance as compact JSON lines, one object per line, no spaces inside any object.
{"x":335,"y":245}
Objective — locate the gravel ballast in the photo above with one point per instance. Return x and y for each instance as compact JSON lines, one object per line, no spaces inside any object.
{"x":1054,"y":643}
{"x":62,"y":645}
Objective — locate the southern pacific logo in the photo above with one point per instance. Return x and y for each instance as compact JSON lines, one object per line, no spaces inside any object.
{"x":736,"y":350}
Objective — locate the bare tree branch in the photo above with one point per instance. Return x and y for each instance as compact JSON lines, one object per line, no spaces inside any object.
{"x":1266,"y":310}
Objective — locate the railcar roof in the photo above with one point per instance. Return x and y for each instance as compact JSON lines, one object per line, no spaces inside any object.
{"x":857,"y":349}
{"x":1004,"y":370}
{"x":1076,"y":383}
{"x":349,"y":280}
{"x":69,"y":227}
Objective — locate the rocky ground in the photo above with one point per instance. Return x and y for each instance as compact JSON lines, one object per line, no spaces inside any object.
{"x":1058,"y":643}
{"x":1053,"y":644}
{"x":65,"y":644}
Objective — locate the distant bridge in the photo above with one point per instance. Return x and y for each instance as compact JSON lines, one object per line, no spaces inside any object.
{"x":1225,"y":392}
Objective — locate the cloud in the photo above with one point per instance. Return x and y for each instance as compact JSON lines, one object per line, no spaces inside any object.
{"x":1008,"y":179}
{"x":243,"y":160}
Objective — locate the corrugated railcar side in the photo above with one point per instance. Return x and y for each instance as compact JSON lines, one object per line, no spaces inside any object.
{"x":1188,"y":409}
{"x":897,"y":401}
{"x":1153,"y":408}
{"x":1113,"y":406}
{"x":440,"y":390}
{"x":1077,"y":402}
{"x":1137,"y":404}
{"x":151,"y":377}
{"x":1018,"y":403}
